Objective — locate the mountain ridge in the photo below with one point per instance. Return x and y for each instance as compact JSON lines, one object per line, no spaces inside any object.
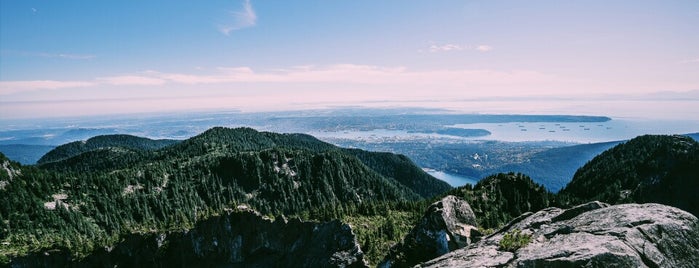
{"x":228,"y":140}
{"x":72,"y":149}
{"x":98,"y":197}
{"x":651,"y":168}
{"x":95,"y":198}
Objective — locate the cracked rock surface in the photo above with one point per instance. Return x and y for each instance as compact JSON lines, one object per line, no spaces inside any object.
{"x":590,"y":235}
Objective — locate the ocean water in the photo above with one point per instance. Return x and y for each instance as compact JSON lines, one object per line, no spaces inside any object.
{"x":451,"y":179}
{"x":613,"y":130}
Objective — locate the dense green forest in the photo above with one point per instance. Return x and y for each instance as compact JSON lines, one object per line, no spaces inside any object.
{"x":105,"y":141}
{"x":501,"y":197}
{"x":651,"y":168}
{"x":93,"y":198}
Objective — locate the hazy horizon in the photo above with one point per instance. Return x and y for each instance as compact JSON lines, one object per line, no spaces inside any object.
{"x":637,"y":59}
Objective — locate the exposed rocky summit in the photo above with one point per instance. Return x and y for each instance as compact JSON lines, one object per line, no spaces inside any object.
{"x":8,"y":171}
{"x":448,"y":224}
{"x":240,"y":239}
{"x":590,"y":235}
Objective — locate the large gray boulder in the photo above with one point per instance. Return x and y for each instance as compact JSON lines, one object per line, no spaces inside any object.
{"x":447,"y":225}
{"x":590,"y":235}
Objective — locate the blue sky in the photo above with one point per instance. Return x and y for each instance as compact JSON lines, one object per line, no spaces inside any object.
{"x":66,"y":58}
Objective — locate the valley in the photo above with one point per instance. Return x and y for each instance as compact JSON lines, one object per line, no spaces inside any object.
{"x":98,"y":191}
{"x":471,"y":146}
{"x":349,"y":134}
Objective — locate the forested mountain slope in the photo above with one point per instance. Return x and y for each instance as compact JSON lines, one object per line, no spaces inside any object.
{"x":647,"y":169}
{"x":99,"y":197}
{"x":111,"y":155}
{"x":651,"y":168}
{"x":501,"y":197}
{"x":95,"y":197}
{"x":554,"y":167}
{"x":105,"y":141}
{"x":402,"y":169}
{"x":237,"y":239}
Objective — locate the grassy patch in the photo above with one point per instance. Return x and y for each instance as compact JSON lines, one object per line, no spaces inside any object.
{"x":514,"y":240}
{"x":376,"y":234}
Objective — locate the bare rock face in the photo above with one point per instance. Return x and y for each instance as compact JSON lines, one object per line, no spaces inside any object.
{"x":590,"y":235}
{"x":447,"y":225}
{"x":240,"y":239}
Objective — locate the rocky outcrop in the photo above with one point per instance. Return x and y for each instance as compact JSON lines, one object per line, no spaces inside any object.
{"x":240,"y":239}
{"x":590,"y":235}
{"x":448,"y":224}
{"x":8,"y":171}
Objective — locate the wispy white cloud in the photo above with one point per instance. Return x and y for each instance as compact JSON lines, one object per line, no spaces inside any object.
{"x":484,"y":48}
{"x":67,"y":56}
{"x":436,"y":48}
{"x":337,"y":74}
{"x":446,"y":47}
{"x":341,"y":73}
{"x":696,"y":60}
{"x":134,"y":80}
{"x":20,"y":86}
{"x":8,"y":87}
{"x":361,"y":76}
{"x":240,"y":19}
{"x":249,"y":88}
